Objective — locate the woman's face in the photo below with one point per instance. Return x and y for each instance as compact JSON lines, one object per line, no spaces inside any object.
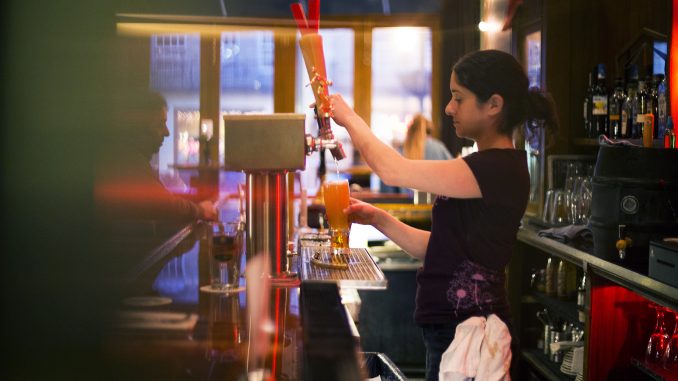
{"x":470,"y":118}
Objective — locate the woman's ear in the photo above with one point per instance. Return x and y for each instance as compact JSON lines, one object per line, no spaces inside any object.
{"x":495,"y":104}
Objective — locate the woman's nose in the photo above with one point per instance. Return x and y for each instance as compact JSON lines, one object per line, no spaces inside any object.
{"x":450,"y":109}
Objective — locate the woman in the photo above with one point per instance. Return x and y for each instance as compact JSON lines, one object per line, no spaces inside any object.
{"x":482,"y":197}
{"x":419,"y":145}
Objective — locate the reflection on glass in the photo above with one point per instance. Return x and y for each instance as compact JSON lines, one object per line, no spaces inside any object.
{"x":339,"y":52}
{"x":401,"y":80}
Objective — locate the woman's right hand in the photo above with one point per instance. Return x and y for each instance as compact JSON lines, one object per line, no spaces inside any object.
{"x":342,"y":113}
{"x":365,"y":214}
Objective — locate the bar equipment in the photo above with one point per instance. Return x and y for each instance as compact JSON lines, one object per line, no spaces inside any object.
{"x":266,"y":148}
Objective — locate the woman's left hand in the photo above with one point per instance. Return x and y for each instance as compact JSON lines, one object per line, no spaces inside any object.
{"x":342,"y":113}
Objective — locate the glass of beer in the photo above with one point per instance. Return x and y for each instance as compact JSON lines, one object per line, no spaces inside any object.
{"x":336,"y":195}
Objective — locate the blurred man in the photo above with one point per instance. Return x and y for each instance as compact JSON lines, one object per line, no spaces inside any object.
{"x":128,"y":189}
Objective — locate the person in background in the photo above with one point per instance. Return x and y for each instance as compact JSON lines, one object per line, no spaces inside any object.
{"x":420,"y":145}
{"x":127,"y":188}
{"x":481,"y":197}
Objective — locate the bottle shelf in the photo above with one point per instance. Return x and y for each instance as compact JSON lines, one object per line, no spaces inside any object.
{"x":566,"y":310}
{"x":593,"y":142}
{"x":547,"y":368}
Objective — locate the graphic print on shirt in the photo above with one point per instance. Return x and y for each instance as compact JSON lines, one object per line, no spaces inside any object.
{"x":471,"y":287}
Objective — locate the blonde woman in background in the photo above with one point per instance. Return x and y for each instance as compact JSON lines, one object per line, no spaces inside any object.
{"x":420,"y":145}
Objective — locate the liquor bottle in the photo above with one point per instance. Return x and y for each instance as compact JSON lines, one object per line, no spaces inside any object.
{"x":615,"y":109}
{"x":636,"y":126}
{"x":566,"y":280}
{"x":599,"y":97}
{"x":588,"y":104}
{"x":661,"y":107}
{"x":551,"y":277}
{"x":644,"y":104}
{"x":581,"y":299}
{"x":652,"y":104}
{"x":629,"y":112}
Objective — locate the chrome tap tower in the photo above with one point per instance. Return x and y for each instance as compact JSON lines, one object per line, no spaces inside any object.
{"x":266,"y":148}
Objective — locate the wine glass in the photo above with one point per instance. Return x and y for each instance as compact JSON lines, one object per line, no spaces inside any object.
{"x":671,"y":351}
{"x":658,"y":339}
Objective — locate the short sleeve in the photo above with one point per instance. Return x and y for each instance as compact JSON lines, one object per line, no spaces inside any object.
{"x":501,"y":175}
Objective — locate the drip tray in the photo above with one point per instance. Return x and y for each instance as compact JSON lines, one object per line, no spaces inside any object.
{"x":359,"y":271}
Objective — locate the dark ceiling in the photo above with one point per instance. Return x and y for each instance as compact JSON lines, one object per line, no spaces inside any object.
{"x":274,"y":8}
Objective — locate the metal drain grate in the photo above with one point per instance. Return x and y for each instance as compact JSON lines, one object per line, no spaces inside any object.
{"x":362,"y":273}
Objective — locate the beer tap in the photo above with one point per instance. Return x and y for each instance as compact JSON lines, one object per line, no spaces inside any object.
{"x":325,"y":139}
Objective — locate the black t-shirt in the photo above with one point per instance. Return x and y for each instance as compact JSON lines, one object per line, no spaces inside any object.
{"x":472,"y":240}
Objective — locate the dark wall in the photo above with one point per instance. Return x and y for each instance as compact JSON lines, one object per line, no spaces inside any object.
{"x":54,"y":68}
{"x":459,"y":35}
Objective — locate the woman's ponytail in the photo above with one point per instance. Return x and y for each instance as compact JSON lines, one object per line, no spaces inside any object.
{"x":540,"y":106}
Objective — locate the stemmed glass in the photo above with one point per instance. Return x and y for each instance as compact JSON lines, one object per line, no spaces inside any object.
{"x":671,"y":351}
{"x":658,"y":339}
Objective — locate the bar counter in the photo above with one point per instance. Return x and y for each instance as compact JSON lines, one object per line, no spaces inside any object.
{"x":166,"y":328}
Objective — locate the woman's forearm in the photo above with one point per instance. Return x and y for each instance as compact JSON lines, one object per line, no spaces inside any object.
{"x":384,"y":160}
{"x":413,"y":241}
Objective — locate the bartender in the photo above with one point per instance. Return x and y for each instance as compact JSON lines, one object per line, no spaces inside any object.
{"x":481,"y":197}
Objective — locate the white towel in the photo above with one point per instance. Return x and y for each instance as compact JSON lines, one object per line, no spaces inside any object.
{"x":478,"y":341}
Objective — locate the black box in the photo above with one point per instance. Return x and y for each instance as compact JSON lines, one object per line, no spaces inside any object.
{"x":664,"y":262}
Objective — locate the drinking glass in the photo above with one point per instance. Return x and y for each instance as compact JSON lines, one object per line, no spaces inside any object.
{"x":671,"y":351}
{"x":225,"y":255}
{"x":658,"y":339}
{"x":585,"y":199}
{"x":336,"y":195}
{"x":547,"y":213}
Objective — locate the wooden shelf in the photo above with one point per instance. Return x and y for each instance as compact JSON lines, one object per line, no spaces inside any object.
{"x":547,"y":368}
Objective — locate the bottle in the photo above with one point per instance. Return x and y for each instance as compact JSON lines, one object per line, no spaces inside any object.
{"x":599,"y":103}
{"x":581,"y":298}
{"x":669,"y":134}
{"x":642,"y":104}
{"x":551,"y":276}
{"x":652,"y":104}
{"x":661,"y":107}
{"x":628,"y":112}
{"x":615,"y":109}
{"x":636,"y":127}
{"x":566,"y":284}
{"x":588,"y":102}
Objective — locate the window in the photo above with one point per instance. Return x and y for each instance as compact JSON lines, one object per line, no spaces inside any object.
{"x":175,"y":73}
{"x":246,"y":85}
{"x":401,"y":80}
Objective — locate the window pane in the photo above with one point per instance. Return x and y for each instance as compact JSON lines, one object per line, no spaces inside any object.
{"x":175,"y":73}
{"x":246,"y":85}
{"x":338,"y":45}
{"x":401,"y":80}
